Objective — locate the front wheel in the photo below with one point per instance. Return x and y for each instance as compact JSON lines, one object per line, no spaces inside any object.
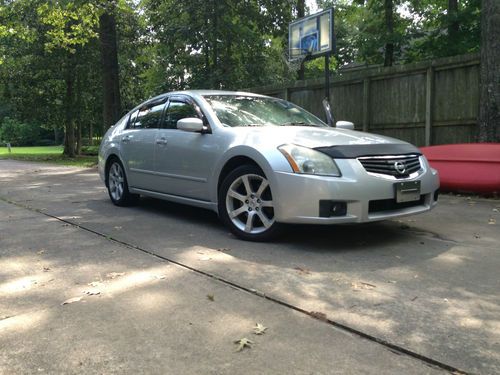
{"x":246,"y":204}
{"x":118,"y":186}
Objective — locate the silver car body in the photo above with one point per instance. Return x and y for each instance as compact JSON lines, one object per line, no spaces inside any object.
{"x":185,"y":166}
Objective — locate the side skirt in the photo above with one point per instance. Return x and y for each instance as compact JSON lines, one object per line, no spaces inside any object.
{"x":177,"y":199}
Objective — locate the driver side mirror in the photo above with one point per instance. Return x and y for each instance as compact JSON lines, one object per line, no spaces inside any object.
{"x":190,"y":124}
{"x":345,"y":125}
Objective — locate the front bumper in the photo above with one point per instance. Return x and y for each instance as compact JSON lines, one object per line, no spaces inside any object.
{"x":297,"y":196}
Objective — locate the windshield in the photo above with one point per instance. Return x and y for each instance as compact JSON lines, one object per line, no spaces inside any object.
{"x":240,"y":110}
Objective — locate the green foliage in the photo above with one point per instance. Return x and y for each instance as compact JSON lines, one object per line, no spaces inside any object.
{"x":215,"y":44}
{"x":420,"y":29}
{"x":52,"y":154}
{"x":18,"y":133}
{"x":71,"y":24}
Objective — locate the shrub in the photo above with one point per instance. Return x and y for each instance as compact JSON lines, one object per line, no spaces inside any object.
{"x":18,"y":133}
{"x":90,"y":150}
{"x":45,"y":142}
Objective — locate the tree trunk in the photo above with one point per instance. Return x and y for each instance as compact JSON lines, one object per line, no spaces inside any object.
{"x":91,"y":134}
{"x":389,"y":27}
{"x":77,"y":112}
{"x":489,"y":110}
{"x":110,"y":69}
{"x":215,"y":49}
{"x":301,"y":12}
{"x":453,"y":26}
{"x":79,"y":139}
{"x":69,"y":136}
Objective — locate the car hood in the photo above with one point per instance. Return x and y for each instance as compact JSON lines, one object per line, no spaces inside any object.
{"x":311,"y":137}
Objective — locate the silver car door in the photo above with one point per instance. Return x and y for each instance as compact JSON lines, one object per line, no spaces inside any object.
{"x":138,"y":145}
{"x":184,"y":160}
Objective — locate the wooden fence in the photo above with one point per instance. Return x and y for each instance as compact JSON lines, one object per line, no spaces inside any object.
{"x":426,"y":103}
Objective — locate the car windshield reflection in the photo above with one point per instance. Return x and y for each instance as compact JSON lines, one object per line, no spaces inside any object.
{"x":234,"y":111}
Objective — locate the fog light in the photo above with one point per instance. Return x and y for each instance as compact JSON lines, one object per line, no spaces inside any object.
{"x":436,"y":194}
{"x":332,"y":208}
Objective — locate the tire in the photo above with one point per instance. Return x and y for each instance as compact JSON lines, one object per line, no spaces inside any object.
{"x":118,"y":186}
{"x":246,"y":205}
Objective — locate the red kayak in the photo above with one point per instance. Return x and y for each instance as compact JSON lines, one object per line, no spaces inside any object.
{"x":470,"y":167}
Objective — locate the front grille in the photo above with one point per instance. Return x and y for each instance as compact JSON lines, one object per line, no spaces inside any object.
{"x":397,"y":166}
{"x":391,"y":204}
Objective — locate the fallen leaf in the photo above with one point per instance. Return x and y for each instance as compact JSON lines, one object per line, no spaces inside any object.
{"x":113,"y":275}
{"x":210,"y":297}
{"x":243,"y":343}
{"x":46,"y":269}
{"x":259,"y":329}
{"x":224,"y":249}
{"x":40,"y":252}
{"x":118,"y":227}
{"x":94,"y":283}
{"x":319,"y":315}
{"x":303,"y":270}
{"x":392,"y":281}
{"x":414,"y":298}
{"x":495,"y":210}
{"x":71,"y":300}
{"x":160,"y":277}
{"x":492,"y":221}
{"x":363,"y":285}
{"x":92,"y":292}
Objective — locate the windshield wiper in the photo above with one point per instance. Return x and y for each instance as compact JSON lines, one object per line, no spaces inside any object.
{"x":298,"y":123}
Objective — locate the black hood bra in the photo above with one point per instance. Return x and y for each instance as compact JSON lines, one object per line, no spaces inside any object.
{"x":356,"y":151}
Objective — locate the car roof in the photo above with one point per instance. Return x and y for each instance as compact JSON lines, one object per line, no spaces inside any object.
{"x":200,"y":93}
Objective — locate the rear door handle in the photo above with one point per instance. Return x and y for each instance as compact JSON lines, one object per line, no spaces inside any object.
{"x":162,"y":141}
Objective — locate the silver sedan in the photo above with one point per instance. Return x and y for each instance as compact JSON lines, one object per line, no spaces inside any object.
{"x":261,"y":162}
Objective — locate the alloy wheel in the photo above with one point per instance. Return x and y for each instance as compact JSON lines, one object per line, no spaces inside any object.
{"x":249,"y":204}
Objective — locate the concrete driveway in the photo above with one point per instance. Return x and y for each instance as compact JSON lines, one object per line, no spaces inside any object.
{"x":169,"y":286}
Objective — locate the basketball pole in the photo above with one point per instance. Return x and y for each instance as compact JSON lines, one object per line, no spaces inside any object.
{"x":327,"y":76}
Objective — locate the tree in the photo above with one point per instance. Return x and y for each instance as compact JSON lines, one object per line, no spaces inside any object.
{"x":489,"y":111}
{"x":109,"y":66}
{"x":71,"y":26}
{"x":389,"y":30}
{"x":215,"y":44}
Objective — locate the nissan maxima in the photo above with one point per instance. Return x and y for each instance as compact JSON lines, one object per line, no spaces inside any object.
{"x":261,"y":162}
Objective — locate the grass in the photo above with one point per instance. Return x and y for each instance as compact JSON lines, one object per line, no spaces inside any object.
{"x":46,"y":154}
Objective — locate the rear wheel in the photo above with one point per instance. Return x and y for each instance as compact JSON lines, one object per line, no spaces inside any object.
{"x":118,"y":186}
{"x":246,"y":204}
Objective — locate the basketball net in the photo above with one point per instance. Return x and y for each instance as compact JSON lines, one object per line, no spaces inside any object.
{"x":295,"y":63}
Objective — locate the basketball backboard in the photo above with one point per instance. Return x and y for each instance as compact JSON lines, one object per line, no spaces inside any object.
{"x":311,"y":35}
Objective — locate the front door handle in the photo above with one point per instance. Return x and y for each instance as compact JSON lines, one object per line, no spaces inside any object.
{"x":162,"y":141}
{"x":126,"y":139}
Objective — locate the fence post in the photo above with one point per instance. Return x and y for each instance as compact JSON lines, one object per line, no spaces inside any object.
{"x":286,"y":91}
{"x":429,"y":98}
{"x":366,"y":104}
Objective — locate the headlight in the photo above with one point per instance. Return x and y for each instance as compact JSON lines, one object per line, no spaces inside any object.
{"x":309,"y":161}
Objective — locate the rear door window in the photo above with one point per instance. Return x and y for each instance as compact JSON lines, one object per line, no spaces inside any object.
{"x":149,"y":117}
